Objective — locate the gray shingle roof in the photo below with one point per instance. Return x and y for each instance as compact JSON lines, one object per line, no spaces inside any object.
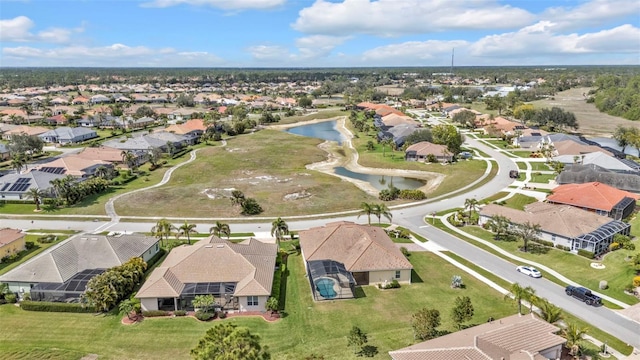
{"x":68,"y":133}
{"x":80,"y":252}
{"x":37,"y":179}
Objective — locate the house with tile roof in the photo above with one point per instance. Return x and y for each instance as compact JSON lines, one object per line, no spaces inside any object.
{"x":68,"y":135}
{"x":61,"y":272}
{"x":73,"y":165}
{"x":111,"y":155}
{"x":421,"y":151}
{"x":563,"y":225}
{"x":238,"y":275}
{"x":11,"y":242}
{"x":17,"y":186}
{"x":24,"y":130}
{"x":516,"y":337}
{"x":366,"y":252}
{"x":596,"y":197}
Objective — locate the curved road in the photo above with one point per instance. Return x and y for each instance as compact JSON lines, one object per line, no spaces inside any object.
{"x":413,"y":218}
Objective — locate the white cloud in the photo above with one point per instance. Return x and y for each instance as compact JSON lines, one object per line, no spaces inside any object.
{"x":112,"y":55}
{"x":540,"y":39}
{"x":591,"y":13}
{"x":221,"y":4}
{"x":397,"y":17}
{"x":426,"y":53}
{"x":311,"y":47}
{"x":18,"y":30}
{"x":269,"y":52}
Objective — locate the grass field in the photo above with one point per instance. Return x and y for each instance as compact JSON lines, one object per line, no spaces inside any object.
{"x":519,"y":201}
{"x":267,"y":166}
{"x":590,"y":120}
{"x":542,"y":178}
{"x":28,"y":254}
{"x":306,"y":327}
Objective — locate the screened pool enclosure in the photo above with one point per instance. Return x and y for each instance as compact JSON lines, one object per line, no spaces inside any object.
{"x":330,"y":280}
{"x":68,"y":291}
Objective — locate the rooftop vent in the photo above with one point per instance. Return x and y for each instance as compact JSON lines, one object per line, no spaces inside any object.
{"x":208,"y":246}
{"x":220,"y":246}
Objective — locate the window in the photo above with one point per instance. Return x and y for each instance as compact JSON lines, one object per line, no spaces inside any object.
{"x":397,"y":274}
{"x":252,"y":301}
{"x":157,"y":247}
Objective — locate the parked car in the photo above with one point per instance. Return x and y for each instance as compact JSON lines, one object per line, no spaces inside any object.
{"x":583,"y":294}
{"x":529,"y":270}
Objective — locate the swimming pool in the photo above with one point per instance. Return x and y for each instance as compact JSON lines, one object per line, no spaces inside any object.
{"x":325,"y":288}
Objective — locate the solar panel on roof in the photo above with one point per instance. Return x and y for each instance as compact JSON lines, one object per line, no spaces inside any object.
{"x":22,"y":180}
{"x":52,"y":170}
{"x":19,"y":187}
{"x":5,"y":186}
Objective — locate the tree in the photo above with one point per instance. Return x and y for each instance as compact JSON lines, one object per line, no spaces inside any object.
{"x":472,"y":205}
{"x":128,"y":306}
{"x":549,"y":312}
{"x":419,"y":136}
{"x":528,"y":232}
{"x":366,"y":209}
{"x":128,"y":158}
{"x":574,"y":335}
{"x":446,"y":134}
{"x":18,"y":161}
{"x":466,"y":118}
{"x":519,"y":293}
{"x":162,"y":229}
{"x":237,"y":197}
{"x":462,"y":311}
{"x":425,"y":323}
{"x":305,"y":102}
{"x":370,"y":145}
{"x":203,"y":302}
{"x":25,"y":144}
{"x":220,"y":229}
{"x":228,"y":341}
{"x":272,"y":305}
{"x":380,"y":210}
{"x":187,"y":229}
{"x":279,"y":229}
{"x":499,"y":225}
{"x":250,"y":206}
{"x":385,"y":143}
{"x":356,"y":339}
{"x":37,"y":195}
{"x":155,"y":154}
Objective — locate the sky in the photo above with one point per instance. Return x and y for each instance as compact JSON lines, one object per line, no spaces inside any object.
{"x":317,"y":33}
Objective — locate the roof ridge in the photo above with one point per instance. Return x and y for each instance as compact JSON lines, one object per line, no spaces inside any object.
{"x":335,"y":228}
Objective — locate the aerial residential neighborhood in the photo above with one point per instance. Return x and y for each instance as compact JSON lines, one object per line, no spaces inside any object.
{"x":277,"y":179}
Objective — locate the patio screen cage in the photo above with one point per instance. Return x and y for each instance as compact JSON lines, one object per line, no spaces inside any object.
{"x":68,"y":291}
{"x":598,"y":240}
{"x":330,"y":280}
{"x":222,"y":293}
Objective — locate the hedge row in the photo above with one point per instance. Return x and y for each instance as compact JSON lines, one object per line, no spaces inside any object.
{"x":56,"y":307}
{"x":585,"y":253}
{"x":155,"y":313}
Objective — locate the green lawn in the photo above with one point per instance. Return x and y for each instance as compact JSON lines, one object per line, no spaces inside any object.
{"x":522,"y":154}
{"x":542,"y":178}
{"x":305,"y":329}
{"x":494,"y":197}
{"x":540,"y":166}
{"x":519,"y":201}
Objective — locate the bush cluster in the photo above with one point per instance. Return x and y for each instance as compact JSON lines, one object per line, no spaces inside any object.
{"x":412,"y":194}
{"x":394,"y":284}
{"x":586,"y":253}
{"x":563,"y":247}
{"x":543,"y":242}
{"x":47,"y":239}
{"x":204,"y":316}
{"x":11,"y":298}
{"x":155,"y":313}
{"x":180,"y":313}
{"x":56,"y":307}
{"x":104,"y":291}
{"x":636,"y":281}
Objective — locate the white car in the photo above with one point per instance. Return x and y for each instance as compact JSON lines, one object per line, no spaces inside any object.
{"x":529,"y":270}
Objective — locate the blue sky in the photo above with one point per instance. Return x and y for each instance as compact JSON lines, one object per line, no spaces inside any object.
{"x":311,"y":33}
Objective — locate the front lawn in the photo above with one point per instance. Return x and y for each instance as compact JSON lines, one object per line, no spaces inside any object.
{"x":28,"y":254}
{"x":519,"y":201}
{"x":306,"y":328}
{"x":542,"y":178}
{"x":617,"y":272}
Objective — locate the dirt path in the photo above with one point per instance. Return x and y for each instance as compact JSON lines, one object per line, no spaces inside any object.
{"x":350,"y":161}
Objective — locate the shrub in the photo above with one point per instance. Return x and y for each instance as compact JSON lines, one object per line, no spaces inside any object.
{"x":179,"y":313}
{"x":603,"y":285}
{"x":456,"y":281}
{"x":47,"y":239}
{"x":155,"y":313}
{"x":29,"y":245}
{"x":412,"y":194}
{"x":404,"y":251}
{"x":586,"y":253}
{"x":629,"y":246}
{"x":26,"y":297}
{"x":543,"y":242}
{"x":563,"y":247}
{"x":222,"y":314}
{"x":204,"y":316}
{"x":614,"y":246}
{"x":11,"y":298}
{"x":636,"y":281}
{"x":394,"y":284}
{"x":56,"y":307}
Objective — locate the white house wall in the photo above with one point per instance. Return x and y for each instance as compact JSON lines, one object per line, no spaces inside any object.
{"x":379,"y":277}
{"x":242,"y":302}
{"x":149,"y":304}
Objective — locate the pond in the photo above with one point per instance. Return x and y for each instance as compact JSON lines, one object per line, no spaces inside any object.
{"x":326,"y":130}
{"x":382,"y":182}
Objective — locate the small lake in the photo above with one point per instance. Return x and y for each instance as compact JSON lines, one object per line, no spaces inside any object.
{"x":382,"y":182}
{"x":326,"y":130}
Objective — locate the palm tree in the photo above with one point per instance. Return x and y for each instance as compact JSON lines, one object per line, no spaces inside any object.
{"x":101,"y":172}
{"x":380,"y":210}
{"x":549,"y":312}
{"x":528,"y":232}
{"x":499,"y":225}
{"x":163,"y":229}
{"x":237,"y":197}
{"x":17,"y":162}
{"x":220,"y":229}
{"x":367,"y":209}
{"x":37,"y":195}
{"x":472,"y":205}
{"x":128,"y":158}
{"x":279,"y":229}
{"x":187,"y":229}
{"x":574,"y":336}
{"x":519,"y":293}
{"x":385,"y":143}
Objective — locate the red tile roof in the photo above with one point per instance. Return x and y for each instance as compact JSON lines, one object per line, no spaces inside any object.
{"x":593,"y":195}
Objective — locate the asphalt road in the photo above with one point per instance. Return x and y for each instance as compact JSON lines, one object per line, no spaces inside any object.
{"x":413,"y":218}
